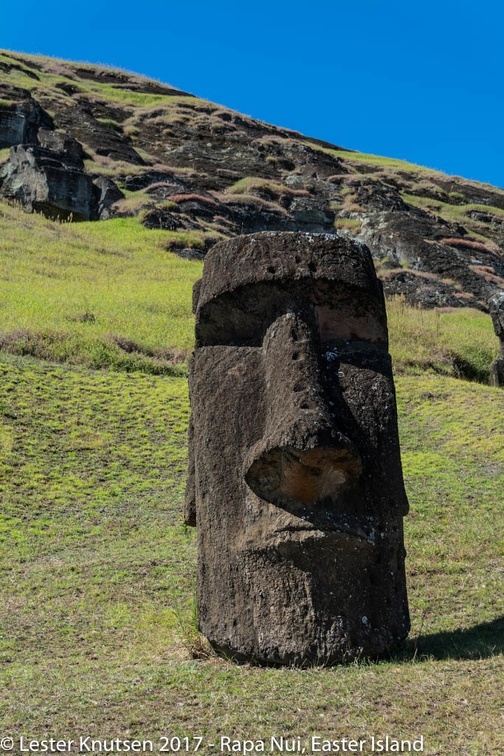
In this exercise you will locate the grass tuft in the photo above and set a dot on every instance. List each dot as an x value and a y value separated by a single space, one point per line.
453 342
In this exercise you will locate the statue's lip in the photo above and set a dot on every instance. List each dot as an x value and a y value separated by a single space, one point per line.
294 535
312 531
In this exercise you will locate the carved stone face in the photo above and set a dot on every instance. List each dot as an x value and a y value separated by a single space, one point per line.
295 474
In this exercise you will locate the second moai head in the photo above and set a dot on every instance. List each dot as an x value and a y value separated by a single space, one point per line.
496 308
295 480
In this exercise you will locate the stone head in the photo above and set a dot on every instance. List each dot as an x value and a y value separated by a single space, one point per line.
295 479
496 309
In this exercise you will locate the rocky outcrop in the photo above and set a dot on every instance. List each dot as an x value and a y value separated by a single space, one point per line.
21 117
45 169
108 194
236 214
38 179
425 289
189 164
88 124
49 178
405 239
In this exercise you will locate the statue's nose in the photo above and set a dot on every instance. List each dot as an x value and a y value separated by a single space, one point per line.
303 456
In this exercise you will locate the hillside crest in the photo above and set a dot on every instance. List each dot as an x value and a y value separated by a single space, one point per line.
83 142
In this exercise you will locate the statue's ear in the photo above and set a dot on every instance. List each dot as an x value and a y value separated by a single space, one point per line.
196 295
190 494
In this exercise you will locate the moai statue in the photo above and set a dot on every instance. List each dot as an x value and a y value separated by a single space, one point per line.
295 481
496 307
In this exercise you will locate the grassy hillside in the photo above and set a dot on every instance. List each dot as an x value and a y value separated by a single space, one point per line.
100 294
206 172
110 294
97 630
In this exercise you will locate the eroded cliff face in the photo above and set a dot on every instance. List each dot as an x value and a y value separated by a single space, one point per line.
83 142
45 167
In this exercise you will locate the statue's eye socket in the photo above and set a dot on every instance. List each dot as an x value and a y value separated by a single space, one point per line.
341 322
229 323
241 317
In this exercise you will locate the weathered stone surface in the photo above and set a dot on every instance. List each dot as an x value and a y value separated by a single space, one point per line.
425 289
37 178
162 219
109 193
414 239
138 182
21 120
295 478
496 307
64 148
52 182
241 215
302 214
45 170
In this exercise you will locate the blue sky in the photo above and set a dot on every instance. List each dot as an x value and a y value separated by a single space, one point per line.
421 81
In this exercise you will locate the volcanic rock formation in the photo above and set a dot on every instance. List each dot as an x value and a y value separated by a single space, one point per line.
45 170
188 165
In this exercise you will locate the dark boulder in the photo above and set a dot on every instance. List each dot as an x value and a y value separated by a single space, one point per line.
52 182
162 220
64 148
21 117
109 193
45 170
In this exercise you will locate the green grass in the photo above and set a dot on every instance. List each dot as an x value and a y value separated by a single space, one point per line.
72 293
96 624
457 213
56 71
353 225
459 342
110 295
377 161
4 154
450 211
251 184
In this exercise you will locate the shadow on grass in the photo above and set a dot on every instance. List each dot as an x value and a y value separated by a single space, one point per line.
478 642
